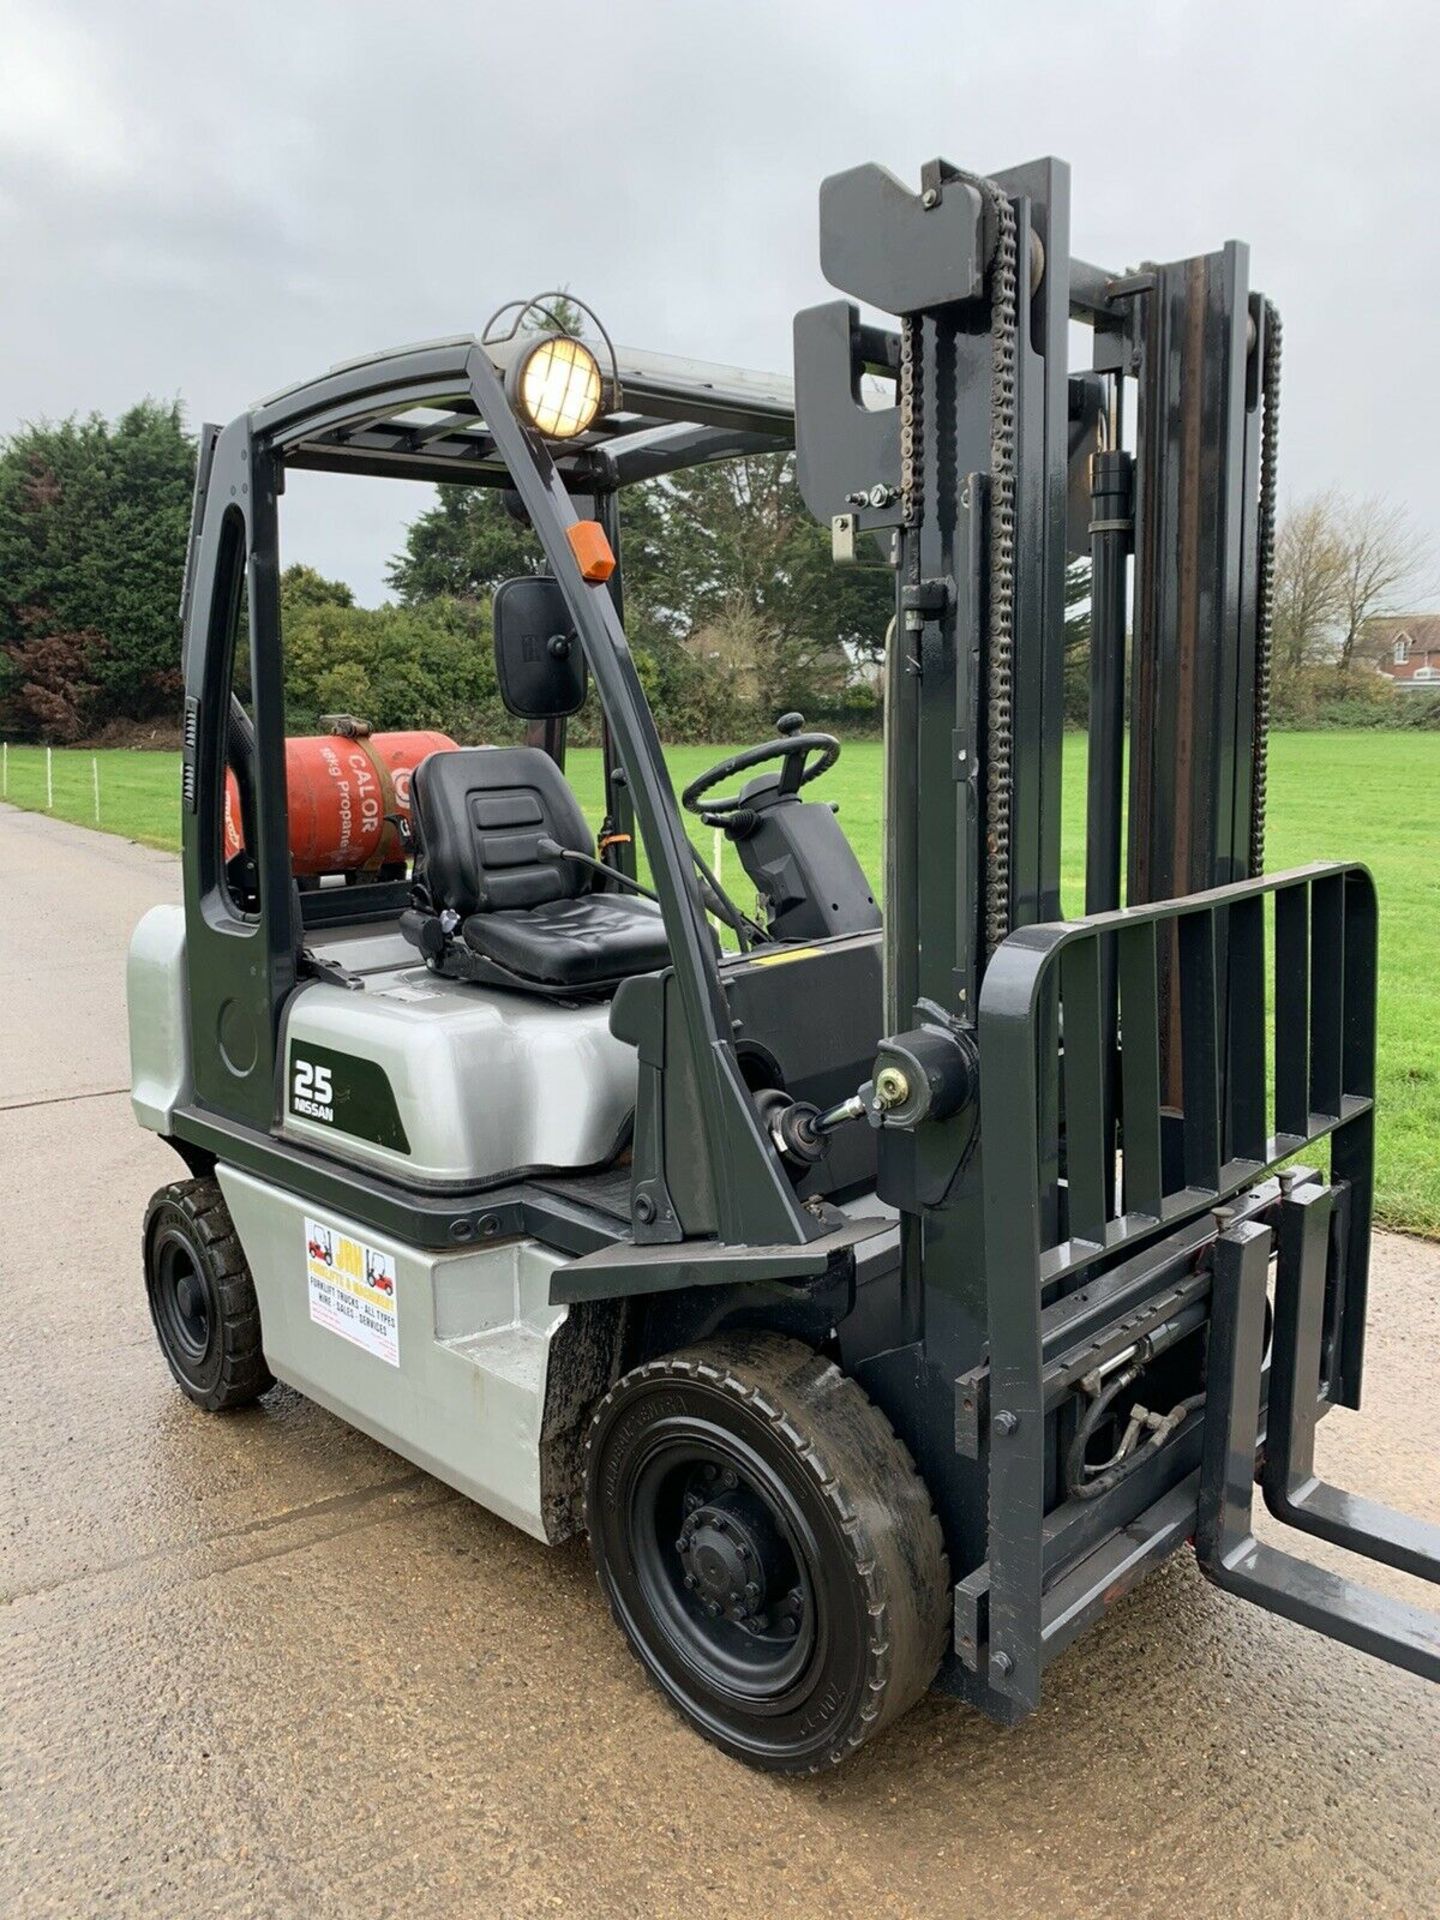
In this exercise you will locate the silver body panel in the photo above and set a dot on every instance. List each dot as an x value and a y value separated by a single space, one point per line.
486 1082
466 1400
159 1027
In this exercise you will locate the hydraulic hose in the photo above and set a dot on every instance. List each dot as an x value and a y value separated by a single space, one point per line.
1083 1486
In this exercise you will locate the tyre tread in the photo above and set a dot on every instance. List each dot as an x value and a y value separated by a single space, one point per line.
789 1386
243 1375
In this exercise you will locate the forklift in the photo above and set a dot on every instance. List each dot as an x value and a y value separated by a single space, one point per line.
883 1298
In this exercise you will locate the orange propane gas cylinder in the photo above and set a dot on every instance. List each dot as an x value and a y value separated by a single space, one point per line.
340 790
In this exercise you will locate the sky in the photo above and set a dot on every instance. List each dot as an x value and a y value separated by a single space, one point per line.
211 203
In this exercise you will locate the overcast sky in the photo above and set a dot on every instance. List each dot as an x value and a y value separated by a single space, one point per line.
212 202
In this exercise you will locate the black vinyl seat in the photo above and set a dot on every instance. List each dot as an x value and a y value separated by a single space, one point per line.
589 941
525 918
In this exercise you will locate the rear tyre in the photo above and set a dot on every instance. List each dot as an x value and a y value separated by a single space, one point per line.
768 1549
202 1299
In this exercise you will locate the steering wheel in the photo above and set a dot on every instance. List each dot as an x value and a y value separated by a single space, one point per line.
792 748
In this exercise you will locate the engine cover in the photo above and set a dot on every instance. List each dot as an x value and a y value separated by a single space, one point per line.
444 1083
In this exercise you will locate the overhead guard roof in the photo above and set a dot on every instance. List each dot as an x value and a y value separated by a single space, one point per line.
407 413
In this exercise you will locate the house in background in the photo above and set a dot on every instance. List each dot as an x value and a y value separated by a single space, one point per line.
1405 647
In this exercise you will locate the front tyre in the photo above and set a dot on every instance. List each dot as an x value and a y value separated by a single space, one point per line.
767 1547
202 1298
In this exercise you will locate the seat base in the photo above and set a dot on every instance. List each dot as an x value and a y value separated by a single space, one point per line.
574 943
569 963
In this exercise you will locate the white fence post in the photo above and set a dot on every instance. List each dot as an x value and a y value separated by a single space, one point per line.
49 779
719 860
95 772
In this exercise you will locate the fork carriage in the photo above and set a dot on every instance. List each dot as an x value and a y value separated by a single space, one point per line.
1174 1239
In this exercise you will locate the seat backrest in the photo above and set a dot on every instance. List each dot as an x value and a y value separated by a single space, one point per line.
481 813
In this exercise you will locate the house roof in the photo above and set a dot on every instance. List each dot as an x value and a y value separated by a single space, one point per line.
1421 629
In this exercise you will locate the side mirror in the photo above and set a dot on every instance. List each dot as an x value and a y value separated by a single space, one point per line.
538 659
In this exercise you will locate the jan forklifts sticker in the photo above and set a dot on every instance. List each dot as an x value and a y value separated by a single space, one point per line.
352 1290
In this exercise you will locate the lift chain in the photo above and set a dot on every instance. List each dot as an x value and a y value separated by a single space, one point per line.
1000 737
912 425
1000 221
1265 587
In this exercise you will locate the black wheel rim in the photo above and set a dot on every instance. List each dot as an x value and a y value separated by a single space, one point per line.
723 1558
182 1301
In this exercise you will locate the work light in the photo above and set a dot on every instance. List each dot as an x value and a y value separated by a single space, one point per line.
556 385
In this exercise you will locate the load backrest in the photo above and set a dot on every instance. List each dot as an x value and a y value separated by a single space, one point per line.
481 813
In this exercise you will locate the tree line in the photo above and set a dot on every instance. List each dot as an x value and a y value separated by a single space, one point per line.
733 609
93 521
1341 565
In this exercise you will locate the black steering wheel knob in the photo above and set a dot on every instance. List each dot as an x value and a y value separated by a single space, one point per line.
789 723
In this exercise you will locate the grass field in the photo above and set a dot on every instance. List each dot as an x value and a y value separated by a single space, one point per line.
1365 796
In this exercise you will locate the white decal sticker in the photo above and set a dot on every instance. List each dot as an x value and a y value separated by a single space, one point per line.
311 1091
352 1290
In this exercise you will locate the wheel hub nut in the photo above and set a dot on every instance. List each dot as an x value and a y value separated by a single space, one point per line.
719 1560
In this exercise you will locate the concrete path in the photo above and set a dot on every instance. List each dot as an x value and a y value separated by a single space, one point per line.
259 1666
